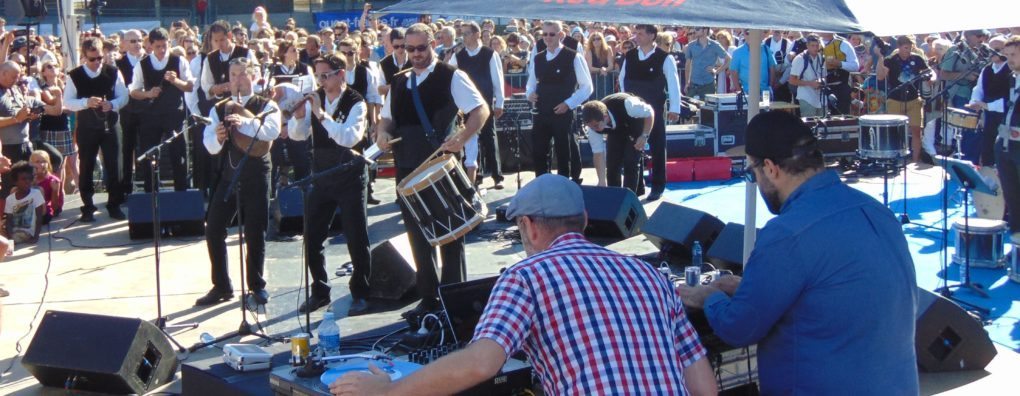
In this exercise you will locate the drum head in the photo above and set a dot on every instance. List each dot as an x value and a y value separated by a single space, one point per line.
963 112
883 119
427 174
980 226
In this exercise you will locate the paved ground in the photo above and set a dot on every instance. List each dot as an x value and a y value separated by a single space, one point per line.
95 268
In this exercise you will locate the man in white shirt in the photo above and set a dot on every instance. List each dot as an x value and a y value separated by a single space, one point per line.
990 94
618 127
840 62
160 81
808 74
130 115
485 69
558 82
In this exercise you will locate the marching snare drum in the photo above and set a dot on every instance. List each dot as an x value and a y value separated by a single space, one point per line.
983 238
883 136
437 194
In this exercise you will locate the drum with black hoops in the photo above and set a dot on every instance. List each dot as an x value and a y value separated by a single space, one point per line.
883 136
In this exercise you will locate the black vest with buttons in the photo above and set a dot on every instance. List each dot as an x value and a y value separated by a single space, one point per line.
556 79
171 98
327 152
995 85
477 67
624 123
102 86
127 71
645 78
437 100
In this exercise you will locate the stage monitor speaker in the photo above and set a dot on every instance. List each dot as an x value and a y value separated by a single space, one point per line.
181 212
393 271
727 251
107 354
613 212
948 338
15 10
292 213
674 228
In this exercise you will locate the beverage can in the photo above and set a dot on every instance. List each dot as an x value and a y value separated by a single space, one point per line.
299 348
692 275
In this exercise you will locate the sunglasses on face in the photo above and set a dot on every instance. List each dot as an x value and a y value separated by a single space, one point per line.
323 76
420 48
398 46
749 175
550 34
348 53
96 59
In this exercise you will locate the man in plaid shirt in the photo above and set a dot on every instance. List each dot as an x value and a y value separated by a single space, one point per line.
592 321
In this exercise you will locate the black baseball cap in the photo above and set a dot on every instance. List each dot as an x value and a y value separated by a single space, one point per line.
775 135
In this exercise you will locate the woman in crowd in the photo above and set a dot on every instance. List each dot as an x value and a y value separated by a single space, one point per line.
602 63
56 130
725 40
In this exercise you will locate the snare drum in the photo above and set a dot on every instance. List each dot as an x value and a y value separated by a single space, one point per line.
962 118
883 136
1014 270
441 200
984 240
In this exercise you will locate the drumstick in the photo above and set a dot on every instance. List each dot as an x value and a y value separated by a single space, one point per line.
397 140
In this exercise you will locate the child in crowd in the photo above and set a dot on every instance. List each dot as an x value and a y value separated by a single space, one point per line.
49 183
25 206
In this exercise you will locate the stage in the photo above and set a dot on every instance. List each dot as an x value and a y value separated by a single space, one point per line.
96 268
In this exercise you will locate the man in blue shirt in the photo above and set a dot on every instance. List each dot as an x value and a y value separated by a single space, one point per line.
829 292
740 67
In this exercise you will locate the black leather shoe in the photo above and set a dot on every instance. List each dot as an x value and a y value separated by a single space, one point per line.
116 213
654 196
313 304
372 201
87 217
359 306
498 185
260 297
213 297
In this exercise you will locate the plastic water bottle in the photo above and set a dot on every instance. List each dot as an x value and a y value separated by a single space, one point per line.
208 340
664 269
692 274
329 336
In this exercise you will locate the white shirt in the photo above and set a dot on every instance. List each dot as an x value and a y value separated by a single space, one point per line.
668 70
777 47
138 81
495 72
635 108
270 128
207 80
372 88
73 103
346 132
465 95
813 72
191 98
584 84
978 94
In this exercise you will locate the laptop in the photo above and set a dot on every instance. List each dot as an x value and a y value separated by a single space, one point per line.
464 303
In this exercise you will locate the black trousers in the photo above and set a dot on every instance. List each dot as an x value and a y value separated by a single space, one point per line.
90 142
347 191
488 150
454 264
254 214
988 135
842 92
154 129
130 126
620 154
203 171
657 149
555 128
14 152
293 153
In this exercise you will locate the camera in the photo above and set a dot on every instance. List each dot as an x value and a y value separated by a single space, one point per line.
38 110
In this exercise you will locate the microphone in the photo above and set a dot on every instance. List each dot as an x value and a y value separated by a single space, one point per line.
201 120
263 114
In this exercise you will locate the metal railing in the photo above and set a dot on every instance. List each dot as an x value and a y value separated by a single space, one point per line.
517 83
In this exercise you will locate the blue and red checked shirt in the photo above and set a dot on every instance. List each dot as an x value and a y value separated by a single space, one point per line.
592 322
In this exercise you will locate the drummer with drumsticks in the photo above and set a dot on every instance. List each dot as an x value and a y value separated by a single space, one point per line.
335 118
903 71
245 117
421 110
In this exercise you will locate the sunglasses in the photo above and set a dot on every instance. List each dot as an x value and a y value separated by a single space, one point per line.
96 59
398 46
550 34
323 76
420 48
348 53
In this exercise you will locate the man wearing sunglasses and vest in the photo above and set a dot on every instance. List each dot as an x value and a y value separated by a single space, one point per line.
337 124
421 109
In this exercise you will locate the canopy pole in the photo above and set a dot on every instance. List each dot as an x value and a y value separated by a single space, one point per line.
753 100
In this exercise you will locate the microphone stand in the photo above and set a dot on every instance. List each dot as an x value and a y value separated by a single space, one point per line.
905 216
153 155
234 188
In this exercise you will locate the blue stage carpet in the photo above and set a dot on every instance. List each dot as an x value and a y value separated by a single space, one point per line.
725 200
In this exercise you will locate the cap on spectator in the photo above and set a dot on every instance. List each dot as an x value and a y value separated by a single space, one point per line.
775 134
19 43
934 36
576 30
548 195
611 39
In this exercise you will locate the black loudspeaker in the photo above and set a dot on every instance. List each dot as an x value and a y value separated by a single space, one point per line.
393 271
182 212
727 251
674 228
292 213
99 353
613 212
18 9
948 338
